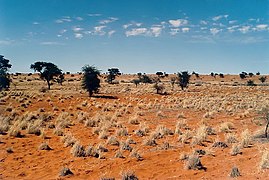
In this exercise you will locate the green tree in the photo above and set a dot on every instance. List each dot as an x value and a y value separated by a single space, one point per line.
4 76
112 73
183 79
48 71
90 80
263 79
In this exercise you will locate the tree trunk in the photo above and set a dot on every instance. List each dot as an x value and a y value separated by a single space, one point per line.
266 129
48 82
90 93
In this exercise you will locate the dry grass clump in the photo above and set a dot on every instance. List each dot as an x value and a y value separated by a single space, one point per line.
201 135
183 156
34 128
129 175
219 144
226 127
230 138
130 141
103 134
112 140
264 164
118 154
101 148
236 149
125 146
150 141
91 123
160 114
246 139
14 131
69 140
122 132
194 162
134 120
64 120
182 124
78 150
58 131
9 150
135 154
235 172
91 151
181 116
4 125
65 172
44 146
184 137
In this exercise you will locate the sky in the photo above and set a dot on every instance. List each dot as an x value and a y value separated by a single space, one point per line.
223 36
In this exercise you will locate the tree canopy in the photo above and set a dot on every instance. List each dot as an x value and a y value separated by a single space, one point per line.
47 71
4 76
90 80
183 79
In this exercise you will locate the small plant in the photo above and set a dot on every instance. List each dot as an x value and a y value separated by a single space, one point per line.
129 175
44 146
159 88
230 138
251 83
264 164
236 149
226 127
118 154
112 140
9 150
78 150
246 139
235 172
91 151
220 144
193 162
150 142
136 155
122 132
262 79
65 172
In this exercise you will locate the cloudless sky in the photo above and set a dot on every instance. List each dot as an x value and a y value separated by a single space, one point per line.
225 36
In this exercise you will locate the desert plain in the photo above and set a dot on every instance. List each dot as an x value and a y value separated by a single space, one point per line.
207 131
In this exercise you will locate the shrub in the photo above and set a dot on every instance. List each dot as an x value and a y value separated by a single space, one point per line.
251 83
118 154
262 79
112 140
78 150
129 175
235 172
235 150
193 162
44 146
246 139
264 164
65 172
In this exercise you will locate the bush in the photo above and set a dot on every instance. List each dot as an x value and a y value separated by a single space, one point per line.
251 83
65 172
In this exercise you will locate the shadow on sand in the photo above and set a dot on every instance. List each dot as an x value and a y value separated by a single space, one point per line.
105 97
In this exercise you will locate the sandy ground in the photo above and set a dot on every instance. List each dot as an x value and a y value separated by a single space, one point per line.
208 102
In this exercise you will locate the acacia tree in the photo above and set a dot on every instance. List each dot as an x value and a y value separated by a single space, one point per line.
4 76
90 80
48 71
183 79
112 73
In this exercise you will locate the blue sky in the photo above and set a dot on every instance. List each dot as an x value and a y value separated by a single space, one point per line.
225 36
